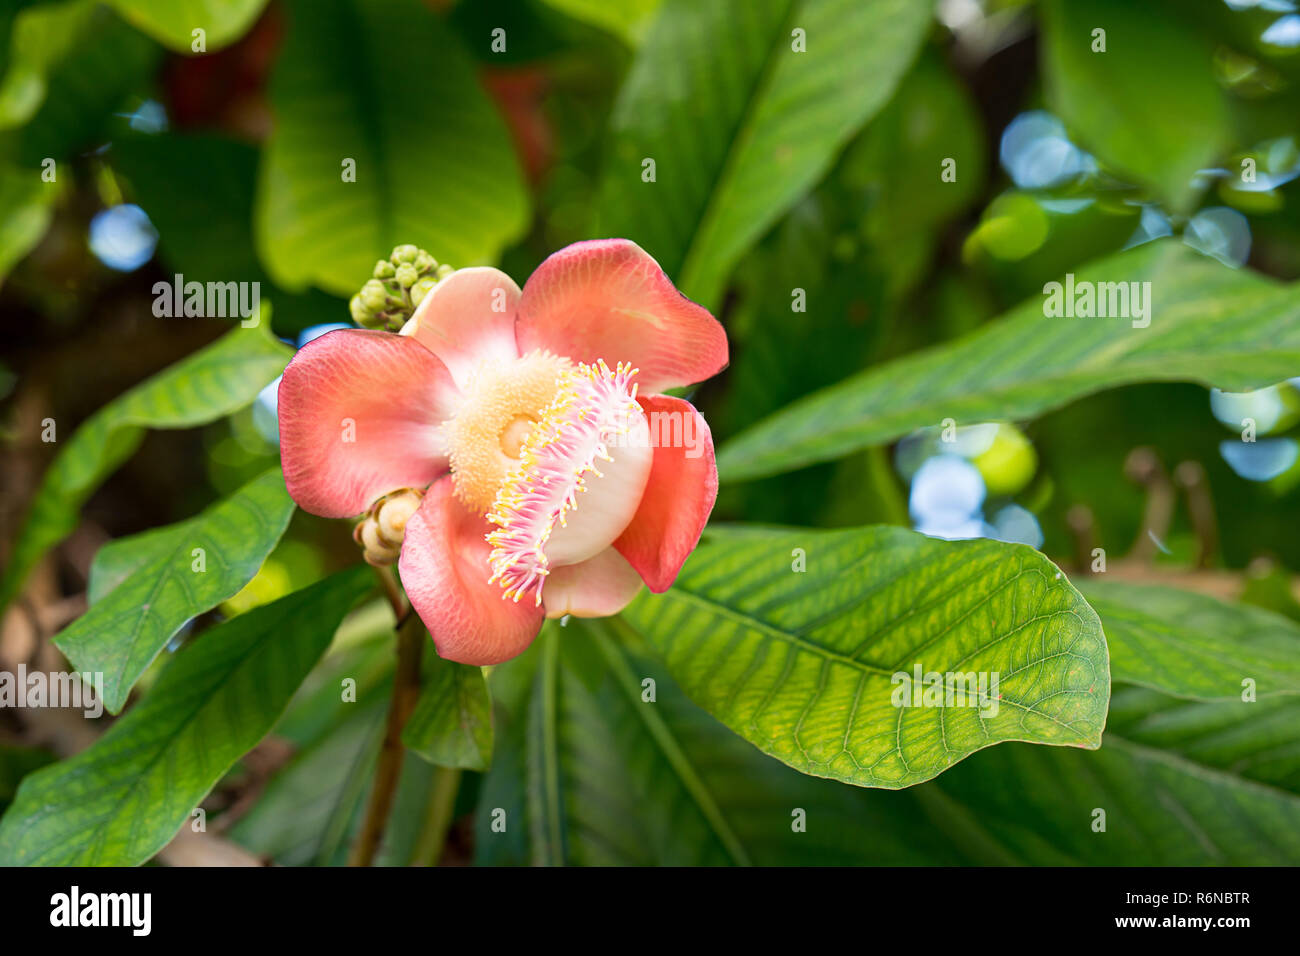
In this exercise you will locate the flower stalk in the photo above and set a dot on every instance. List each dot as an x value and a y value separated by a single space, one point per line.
411 638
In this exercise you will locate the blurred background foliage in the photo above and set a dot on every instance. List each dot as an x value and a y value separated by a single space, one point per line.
226 164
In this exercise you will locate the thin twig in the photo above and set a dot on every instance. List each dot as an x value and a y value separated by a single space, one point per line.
411 638
393 592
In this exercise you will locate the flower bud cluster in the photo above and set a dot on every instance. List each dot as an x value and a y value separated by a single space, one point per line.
396 288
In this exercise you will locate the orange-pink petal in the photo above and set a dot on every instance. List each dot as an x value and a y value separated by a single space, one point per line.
444 568
598 587
679 494
359 417
608 299
468 317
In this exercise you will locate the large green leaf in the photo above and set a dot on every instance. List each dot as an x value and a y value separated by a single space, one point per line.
739 123
804 664
122 800
173 22
1191 645
590 769
1209 324
577 765
451 725
386 84
1149 105
209 384
171 577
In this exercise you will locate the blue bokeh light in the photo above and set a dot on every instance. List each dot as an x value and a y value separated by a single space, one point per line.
266 412
1284 32
1260 460
1017 524
122 237
946 498
1037 154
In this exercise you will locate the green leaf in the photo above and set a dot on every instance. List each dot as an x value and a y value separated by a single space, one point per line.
122 800
805 664
172 22
1149 105
211 383
1257 740
1209 324
309 807
597 766
15 764
451 725
1038 806
739 124
627 19
38 39
170 578
336 725
1191 645
1181 781
385 84
27 201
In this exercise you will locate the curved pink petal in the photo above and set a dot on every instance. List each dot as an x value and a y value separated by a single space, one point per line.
359 417
469 316
608 299
598 587
444 568
678 496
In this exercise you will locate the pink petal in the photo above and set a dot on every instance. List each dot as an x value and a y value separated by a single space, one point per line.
606 298
679 495
444 568
598 587
359 416
469 316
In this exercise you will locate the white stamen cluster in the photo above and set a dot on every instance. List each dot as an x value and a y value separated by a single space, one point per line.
592 409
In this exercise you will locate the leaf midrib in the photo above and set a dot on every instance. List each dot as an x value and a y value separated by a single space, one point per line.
757 88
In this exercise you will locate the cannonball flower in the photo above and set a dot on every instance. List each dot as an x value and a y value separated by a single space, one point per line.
511 448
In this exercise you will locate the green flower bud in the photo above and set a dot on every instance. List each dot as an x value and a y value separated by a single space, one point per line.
374 296
421 289
384 269
406 275
445 270
405 253
360 314
425 263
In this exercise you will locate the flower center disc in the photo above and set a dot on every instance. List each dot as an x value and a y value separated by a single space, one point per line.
502 401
